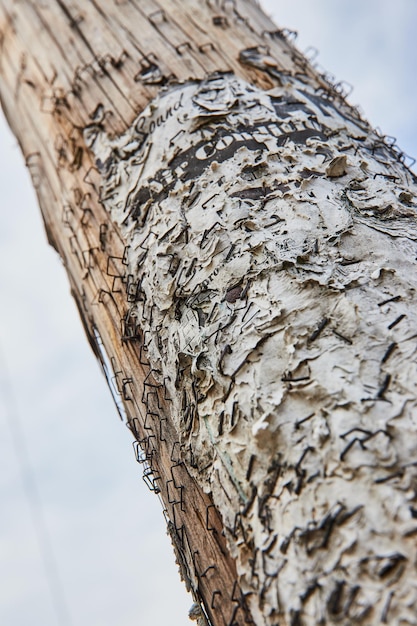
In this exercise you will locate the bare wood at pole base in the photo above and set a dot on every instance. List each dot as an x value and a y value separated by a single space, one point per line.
241 246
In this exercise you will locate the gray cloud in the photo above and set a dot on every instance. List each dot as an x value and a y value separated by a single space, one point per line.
107 531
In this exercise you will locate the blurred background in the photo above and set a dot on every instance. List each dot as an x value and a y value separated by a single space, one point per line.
82 540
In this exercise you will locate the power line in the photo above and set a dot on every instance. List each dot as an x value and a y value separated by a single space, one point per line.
27 476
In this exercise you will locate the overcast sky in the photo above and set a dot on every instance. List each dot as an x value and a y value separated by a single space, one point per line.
75 458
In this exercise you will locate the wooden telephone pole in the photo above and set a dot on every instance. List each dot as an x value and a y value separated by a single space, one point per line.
241 247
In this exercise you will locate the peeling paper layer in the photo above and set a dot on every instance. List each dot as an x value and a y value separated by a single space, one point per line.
272 246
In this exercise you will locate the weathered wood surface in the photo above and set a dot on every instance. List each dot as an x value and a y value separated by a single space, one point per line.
109 60
273 391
